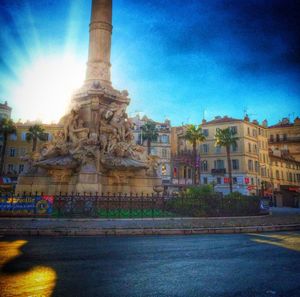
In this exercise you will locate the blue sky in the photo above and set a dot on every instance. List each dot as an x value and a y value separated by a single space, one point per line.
178 59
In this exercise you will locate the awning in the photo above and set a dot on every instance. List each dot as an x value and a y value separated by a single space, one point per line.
5 181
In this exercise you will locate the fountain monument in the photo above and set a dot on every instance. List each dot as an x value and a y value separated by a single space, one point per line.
95 152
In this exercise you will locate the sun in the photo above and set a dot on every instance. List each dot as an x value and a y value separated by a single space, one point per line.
45 87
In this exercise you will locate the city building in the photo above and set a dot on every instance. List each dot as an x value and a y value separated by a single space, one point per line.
250 159
17 147
285 178
5 111
285 136
160 148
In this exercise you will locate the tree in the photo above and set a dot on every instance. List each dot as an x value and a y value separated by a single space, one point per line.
226 138
7 127
149 133
35 133
194 135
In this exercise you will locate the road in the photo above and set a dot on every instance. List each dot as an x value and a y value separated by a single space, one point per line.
204 265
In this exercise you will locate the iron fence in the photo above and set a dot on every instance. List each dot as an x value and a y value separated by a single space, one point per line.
127 206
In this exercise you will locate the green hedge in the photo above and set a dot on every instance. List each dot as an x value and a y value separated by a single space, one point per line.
196 205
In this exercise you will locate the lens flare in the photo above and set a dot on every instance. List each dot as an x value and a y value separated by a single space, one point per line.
46 86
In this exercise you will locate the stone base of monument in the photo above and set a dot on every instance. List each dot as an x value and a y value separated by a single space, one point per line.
124 182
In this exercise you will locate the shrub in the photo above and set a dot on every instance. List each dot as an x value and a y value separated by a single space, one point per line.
235 195
194 203
198 191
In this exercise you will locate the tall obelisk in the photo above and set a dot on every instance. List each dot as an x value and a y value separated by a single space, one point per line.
98 65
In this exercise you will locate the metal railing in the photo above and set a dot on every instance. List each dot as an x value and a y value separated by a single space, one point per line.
127 206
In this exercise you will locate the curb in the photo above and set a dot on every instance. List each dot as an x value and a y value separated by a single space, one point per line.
129 219
144 231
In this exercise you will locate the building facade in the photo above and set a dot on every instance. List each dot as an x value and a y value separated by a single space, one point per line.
285 179
250 160
5 111
17 147
285 136
160 148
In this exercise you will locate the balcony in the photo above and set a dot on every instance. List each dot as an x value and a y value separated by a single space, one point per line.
284 140
220 171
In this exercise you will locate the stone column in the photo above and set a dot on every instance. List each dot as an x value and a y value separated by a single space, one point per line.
98 65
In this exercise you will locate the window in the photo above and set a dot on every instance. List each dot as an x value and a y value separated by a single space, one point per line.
235 164
153 151
205 148
277 137
23 136
219 164
13 137
249 147
248 131
204 165
250 165
10 168
218 149
254 133
12 152
233 129
234 180
284 137
219 180
255 148
164 138
271 138
45 136
234 148
252 181
189 173
21 168
256 166
205 132
184 171
205 180
164 153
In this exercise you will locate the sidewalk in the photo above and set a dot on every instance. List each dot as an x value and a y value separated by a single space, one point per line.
276 221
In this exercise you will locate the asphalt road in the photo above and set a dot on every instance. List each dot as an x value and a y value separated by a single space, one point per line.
205 265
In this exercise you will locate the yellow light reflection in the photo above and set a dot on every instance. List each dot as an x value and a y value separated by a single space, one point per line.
38 281
289 240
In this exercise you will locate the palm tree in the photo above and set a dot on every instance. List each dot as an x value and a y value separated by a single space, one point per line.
7 127
35 133
194 135
226 137
149 133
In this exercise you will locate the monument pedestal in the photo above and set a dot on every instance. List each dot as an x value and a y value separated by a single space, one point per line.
89 183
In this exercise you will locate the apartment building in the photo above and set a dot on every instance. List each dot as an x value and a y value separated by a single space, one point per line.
250 159
17 147
5 111
160 148
285 136
285 179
